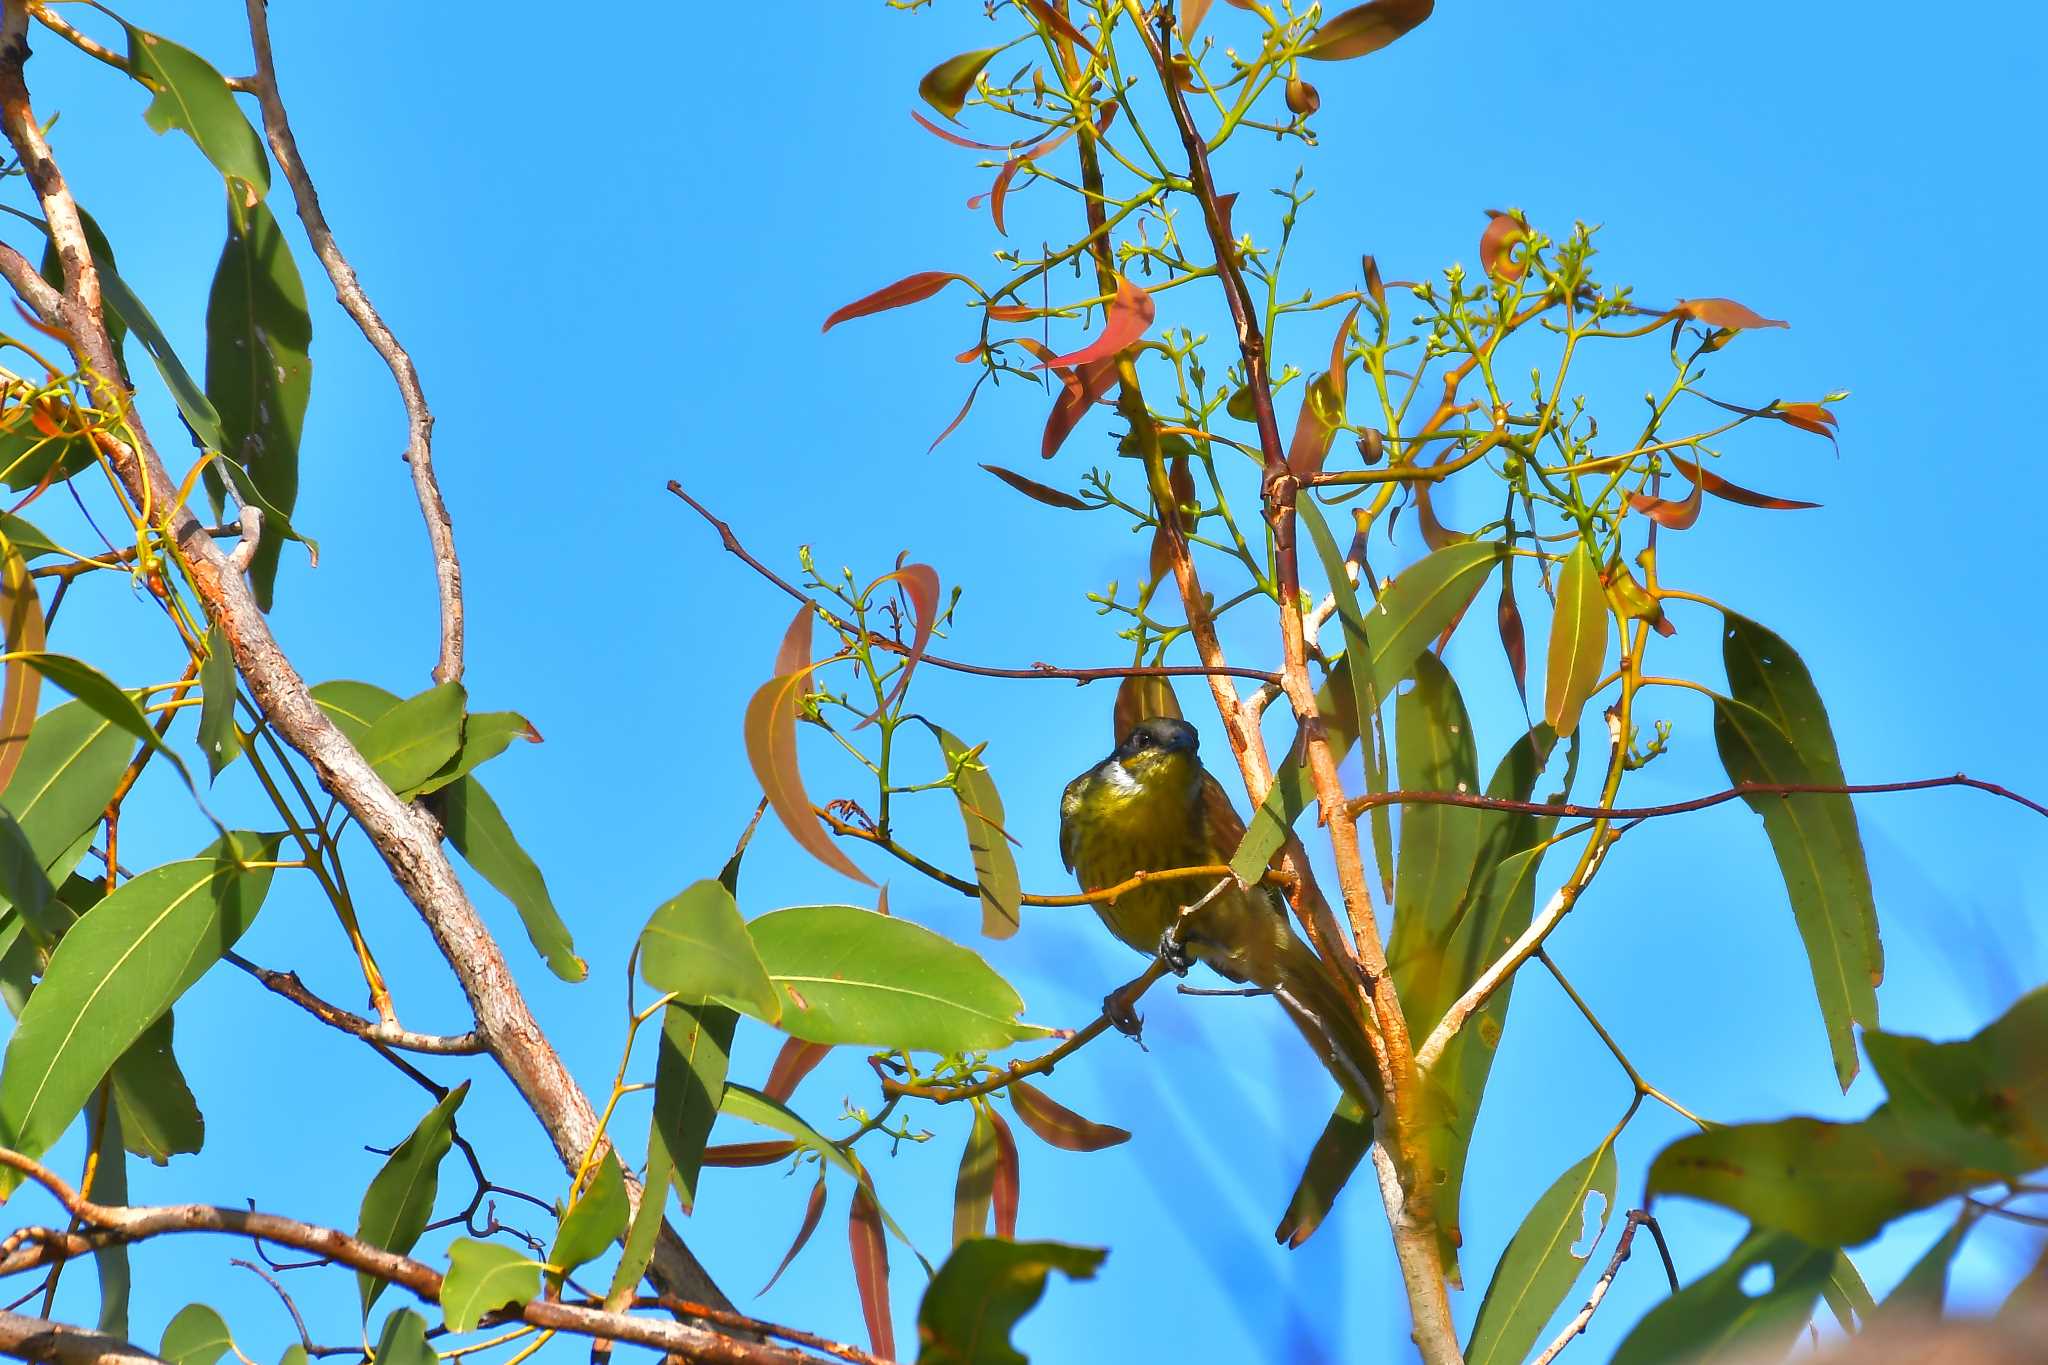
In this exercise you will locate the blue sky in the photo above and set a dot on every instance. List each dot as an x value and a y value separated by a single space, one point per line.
608 245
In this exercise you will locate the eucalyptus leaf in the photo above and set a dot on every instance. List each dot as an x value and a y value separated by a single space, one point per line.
1543 1260
689 1086
196 1336
194 98
480 833
482 1277
408 743
696 946
595 1220
399 1203
1713 1318
985 1286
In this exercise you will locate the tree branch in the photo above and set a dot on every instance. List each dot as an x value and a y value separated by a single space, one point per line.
27 1338
288 985
1636 1218
1474 801
348 292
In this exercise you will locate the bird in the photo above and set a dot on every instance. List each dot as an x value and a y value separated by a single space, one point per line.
1151 806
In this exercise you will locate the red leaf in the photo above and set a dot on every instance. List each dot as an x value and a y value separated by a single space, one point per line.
1372 282
1226 205
910 289
1677 516
1058 23
959 141
1084 386
974 1187
1015 312
1302 98
1497 246
871 1270
796 1061
1512 640
748 1153
1130 313
770 732
1192 13
1434 533
1060 1126
1037 492
1366 28
946 86
1322 407
1724 313
921 585
961 415
1007 1178
1807 417
1721 488
812 1210
999 191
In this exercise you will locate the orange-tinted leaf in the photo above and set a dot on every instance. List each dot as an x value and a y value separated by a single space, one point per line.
921 585
1130 313
1014 312
1159 563
1434 533
974 1187
21 615
946 86
1180 481
1807 417
1513 641
796 1060
1373 286
1060 1126
1140 698
871 1270
748 1153
1634 600
1497 246
1084 386
1302 98
1676 516
959 141
1058 23
1578 641
1192 13
1000 191
1724 313
1322 407
1037 492
770 732
910 289
1366 28
1006 1190
965 407
814 1209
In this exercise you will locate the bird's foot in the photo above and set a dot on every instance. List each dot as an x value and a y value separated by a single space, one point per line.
1173 951
1120 1008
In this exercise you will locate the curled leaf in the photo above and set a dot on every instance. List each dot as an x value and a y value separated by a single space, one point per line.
1504 232
920 584
1302 98
1366 28
814 1208
946 86
1806 416
910 289
1084 386
1130 313
1724 313
770 732
1675 515
959 141
1060 1126
871 1270
796 1060
1434 533
973 353
1704 479
1036 491
1373 286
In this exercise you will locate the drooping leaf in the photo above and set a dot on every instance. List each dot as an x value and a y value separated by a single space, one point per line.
595 1220
102 259
1714 1318
908 290
1578 641
689 1087
43 439
769 729
814 1209
1992 1082
1774 729
1129 314
974 1187
1140 697
117 970
403 1341
409 743
1060 1126
1365 700
1009 1181
158 1116
68 772
870 1252
1513 639
196 1336
110 1187
1543 1261
1036 491
920 583
1848 1298
483 1276
1083 386
1682 514
696 945
1366 28
1923 1292
258 374
988 843
97 691
399 1202
194 98
946 86
848 975
219 740
985 1286
1724 313
21 618
1056 22
478 829
795 1060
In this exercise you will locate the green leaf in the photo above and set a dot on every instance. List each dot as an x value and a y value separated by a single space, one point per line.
69 769
399 1203
594 1220
1427 597
1540 1264
482 1277
981 810
1365 701
158 1116
696 945
116 972
485 735
26 538
648 1222
408 743
196 1336
985 1286
258 375
404 1340
946 86
689 1086
1923 1291
1848 1298
219 740
295 1354
849 975
974 1186
110 1260
745 1102
477 828
353 706
1578 641
193 97
1713 1318
98 691
1992 1083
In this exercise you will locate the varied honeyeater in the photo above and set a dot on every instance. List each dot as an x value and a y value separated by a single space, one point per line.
1151 806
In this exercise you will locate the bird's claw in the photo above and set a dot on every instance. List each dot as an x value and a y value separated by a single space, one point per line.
1120 1009
1173 952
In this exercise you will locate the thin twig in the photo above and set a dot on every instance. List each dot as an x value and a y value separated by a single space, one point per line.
1636 1218
288 985
1570 811
298 1321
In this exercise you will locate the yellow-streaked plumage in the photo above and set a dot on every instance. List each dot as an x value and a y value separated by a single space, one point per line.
1151 806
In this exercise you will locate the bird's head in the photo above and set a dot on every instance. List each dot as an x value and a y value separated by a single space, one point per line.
1160 747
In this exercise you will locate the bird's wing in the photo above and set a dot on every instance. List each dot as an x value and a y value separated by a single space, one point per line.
1070 809
1220 818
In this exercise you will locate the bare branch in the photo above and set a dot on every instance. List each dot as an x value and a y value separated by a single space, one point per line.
27 1338
1474 801
348 291
288 985
1636 1219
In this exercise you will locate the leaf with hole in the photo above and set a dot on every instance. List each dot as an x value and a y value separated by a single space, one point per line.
1714 1317
1543 1260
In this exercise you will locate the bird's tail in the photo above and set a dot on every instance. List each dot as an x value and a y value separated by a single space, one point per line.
1328 1018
